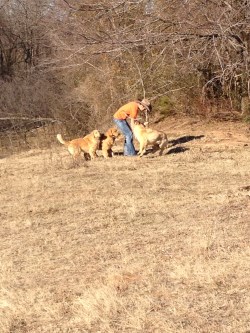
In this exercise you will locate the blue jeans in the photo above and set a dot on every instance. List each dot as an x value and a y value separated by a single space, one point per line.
129 149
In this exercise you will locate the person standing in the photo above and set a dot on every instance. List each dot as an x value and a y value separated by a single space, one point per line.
130 111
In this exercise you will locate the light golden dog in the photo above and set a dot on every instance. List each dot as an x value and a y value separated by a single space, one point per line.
88 145
148 136
107 141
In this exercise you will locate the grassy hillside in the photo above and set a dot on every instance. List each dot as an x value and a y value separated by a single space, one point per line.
152 244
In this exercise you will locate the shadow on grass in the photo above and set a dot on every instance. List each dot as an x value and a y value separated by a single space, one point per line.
151 154
185 139
177 150
118 153
5 155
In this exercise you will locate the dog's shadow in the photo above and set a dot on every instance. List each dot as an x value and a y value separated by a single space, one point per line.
172 144
177 150
184 139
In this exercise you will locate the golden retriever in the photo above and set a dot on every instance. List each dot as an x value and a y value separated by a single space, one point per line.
148 136
88 145
107 141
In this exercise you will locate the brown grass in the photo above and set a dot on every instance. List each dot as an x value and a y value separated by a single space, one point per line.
157 244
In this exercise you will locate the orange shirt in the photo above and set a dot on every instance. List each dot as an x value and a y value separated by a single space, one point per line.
128 110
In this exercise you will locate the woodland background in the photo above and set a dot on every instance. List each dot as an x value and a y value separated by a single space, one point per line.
75 62
145 245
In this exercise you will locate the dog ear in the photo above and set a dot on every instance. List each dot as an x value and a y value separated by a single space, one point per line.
110 132
96 134
117 133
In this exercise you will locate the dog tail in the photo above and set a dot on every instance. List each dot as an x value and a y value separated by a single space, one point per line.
60 139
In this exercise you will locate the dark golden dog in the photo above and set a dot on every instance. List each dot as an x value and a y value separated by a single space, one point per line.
88 145
107 141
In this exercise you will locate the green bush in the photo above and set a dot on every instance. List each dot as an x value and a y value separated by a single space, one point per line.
165 106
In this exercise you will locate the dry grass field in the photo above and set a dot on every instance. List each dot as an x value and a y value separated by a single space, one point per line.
152 244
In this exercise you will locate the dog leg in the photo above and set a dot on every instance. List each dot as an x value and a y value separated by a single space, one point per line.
140 150
143 145
107 153
75 152
110 153
76 158
155 148
163 145
86 156
92 154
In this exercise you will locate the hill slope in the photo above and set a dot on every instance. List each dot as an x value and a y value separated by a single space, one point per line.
157 244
